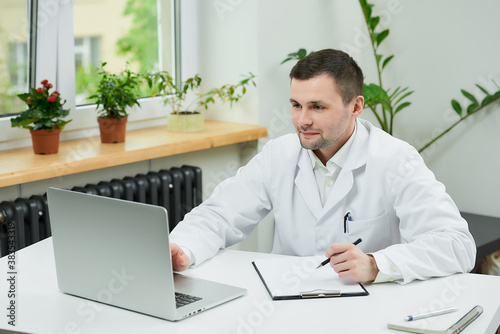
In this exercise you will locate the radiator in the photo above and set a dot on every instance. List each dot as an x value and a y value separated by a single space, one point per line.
177 189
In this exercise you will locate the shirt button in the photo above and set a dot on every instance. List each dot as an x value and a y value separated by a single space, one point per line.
394 269
391 279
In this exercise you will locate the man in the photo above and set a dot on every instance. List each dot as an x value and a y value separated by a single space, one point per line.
338 179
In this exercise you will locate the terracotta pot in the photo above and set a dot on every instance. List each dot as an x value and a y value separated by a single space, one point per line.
112 129
45 141
185 122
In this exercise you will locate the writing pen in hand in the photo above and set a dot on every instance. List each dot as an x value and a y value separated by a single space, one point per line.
328 260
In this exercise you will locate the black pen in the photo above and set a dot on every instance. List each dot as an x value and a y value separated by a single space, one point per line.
328 260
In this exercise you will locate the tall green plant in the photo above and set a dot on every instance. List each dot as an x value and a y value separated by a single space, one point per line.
385 103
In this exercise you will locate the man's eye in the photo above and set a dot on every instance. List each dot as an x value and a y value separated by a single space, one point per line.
318 108
295 105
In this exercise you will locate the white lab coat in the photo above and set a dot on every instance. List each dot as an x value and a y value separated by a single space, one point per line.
397 207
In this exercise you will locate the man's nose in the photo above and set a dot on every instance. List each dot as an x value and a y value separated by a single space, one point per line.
305 118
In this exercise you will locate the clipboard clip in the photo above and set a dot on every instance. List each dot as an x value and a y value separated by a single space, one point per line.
320 293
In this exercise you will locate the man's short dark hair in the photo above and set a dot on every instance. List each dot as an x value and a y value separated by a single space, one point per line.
346 73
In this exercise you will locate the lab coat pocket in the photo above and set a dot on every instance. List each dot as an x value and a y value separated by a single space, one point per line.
375 232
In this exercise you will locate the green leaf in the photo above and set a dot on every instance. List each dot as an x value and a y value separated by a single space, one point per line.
381 36
375 94
301 53
482 89
397 92
386 61
404 96
471 108
487 100
401 107
367 9
456 106
469 96
374 22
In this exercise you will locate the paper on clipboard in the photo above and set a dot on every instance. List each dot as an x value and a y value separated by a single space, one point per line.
298 278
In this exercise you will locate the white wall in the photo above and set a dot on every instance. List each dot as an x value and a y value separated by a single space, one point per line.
442 47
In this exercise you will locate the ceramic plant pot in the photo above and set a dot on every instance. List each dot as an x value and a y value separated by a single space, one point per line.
112 129
185 122
45 141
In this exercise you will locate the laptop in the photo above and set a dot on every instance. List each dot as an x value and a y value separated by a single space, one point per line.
117 252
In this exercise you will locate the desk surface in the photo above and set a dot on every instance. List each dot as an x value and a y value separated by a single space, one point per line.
42 308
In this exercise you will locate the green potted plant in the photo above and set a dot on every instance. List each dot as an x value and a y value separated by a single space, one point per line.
44 118
115 94
186 101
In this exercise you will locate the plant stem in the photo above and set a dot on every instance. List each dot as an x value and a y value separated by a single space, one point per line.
379 72
455 124
377 116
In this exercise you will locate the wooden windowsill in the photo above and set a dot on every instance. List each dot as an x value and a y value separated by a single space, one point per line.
22 165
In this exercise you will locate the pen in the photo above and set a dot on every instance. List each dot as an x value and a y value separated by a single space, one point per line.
347 218
328 260
430 314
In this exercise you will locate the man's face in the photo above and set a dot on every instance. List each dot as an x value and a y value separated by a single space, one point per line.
319 116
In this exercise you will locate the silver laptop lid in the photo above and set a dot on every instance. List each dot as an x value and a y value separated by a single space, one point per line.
132 271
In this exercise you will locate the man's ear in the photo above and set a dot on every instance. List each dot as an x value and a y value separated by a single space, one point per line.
358 104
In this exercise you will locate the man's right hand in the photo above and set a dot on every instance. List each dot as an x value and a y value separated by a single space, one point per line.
180 261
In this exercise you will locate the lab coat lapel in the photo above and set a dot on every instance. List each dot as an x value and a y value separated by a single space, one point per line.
306 183
345 180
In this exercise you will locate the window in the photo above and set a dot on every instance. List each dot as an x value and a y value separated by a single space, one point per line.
73 38
13 55
122 33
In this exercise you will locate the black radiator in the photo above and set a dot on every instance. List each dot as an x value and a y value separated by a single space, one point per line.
177 189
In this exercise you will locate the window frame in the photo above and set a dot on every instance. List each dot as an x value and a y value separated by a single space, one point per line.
59 13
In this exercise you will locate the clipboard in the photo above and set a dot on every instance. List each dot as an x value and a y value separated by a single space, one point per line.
297 278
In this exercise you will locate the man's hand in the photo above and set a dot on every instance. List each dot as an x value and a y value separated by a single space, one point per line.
350 262
180 261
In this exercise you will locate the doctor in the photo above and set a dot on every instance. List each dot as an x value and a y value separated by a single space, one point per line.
337 179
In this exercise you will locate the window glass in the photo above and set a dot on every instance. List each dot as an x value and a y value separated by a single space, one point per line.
13 55
122 33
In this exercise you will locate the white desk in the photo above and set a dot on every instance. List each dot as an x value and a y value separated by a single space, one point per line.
42 308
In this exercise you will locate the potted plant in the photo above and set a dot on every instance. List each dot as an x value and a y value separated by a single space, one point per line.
43 118
186 116
115 93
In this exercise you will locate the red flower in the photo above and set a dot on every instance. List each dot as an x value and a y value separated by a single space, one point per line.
56 92
44 82
40 90
52 98
28 100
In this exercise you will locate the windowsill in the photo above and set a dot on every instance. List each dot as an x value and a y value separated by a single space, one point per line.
80 155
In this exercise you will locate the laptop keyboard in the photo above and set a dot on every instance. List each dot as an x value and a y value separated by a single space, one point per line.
182 299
